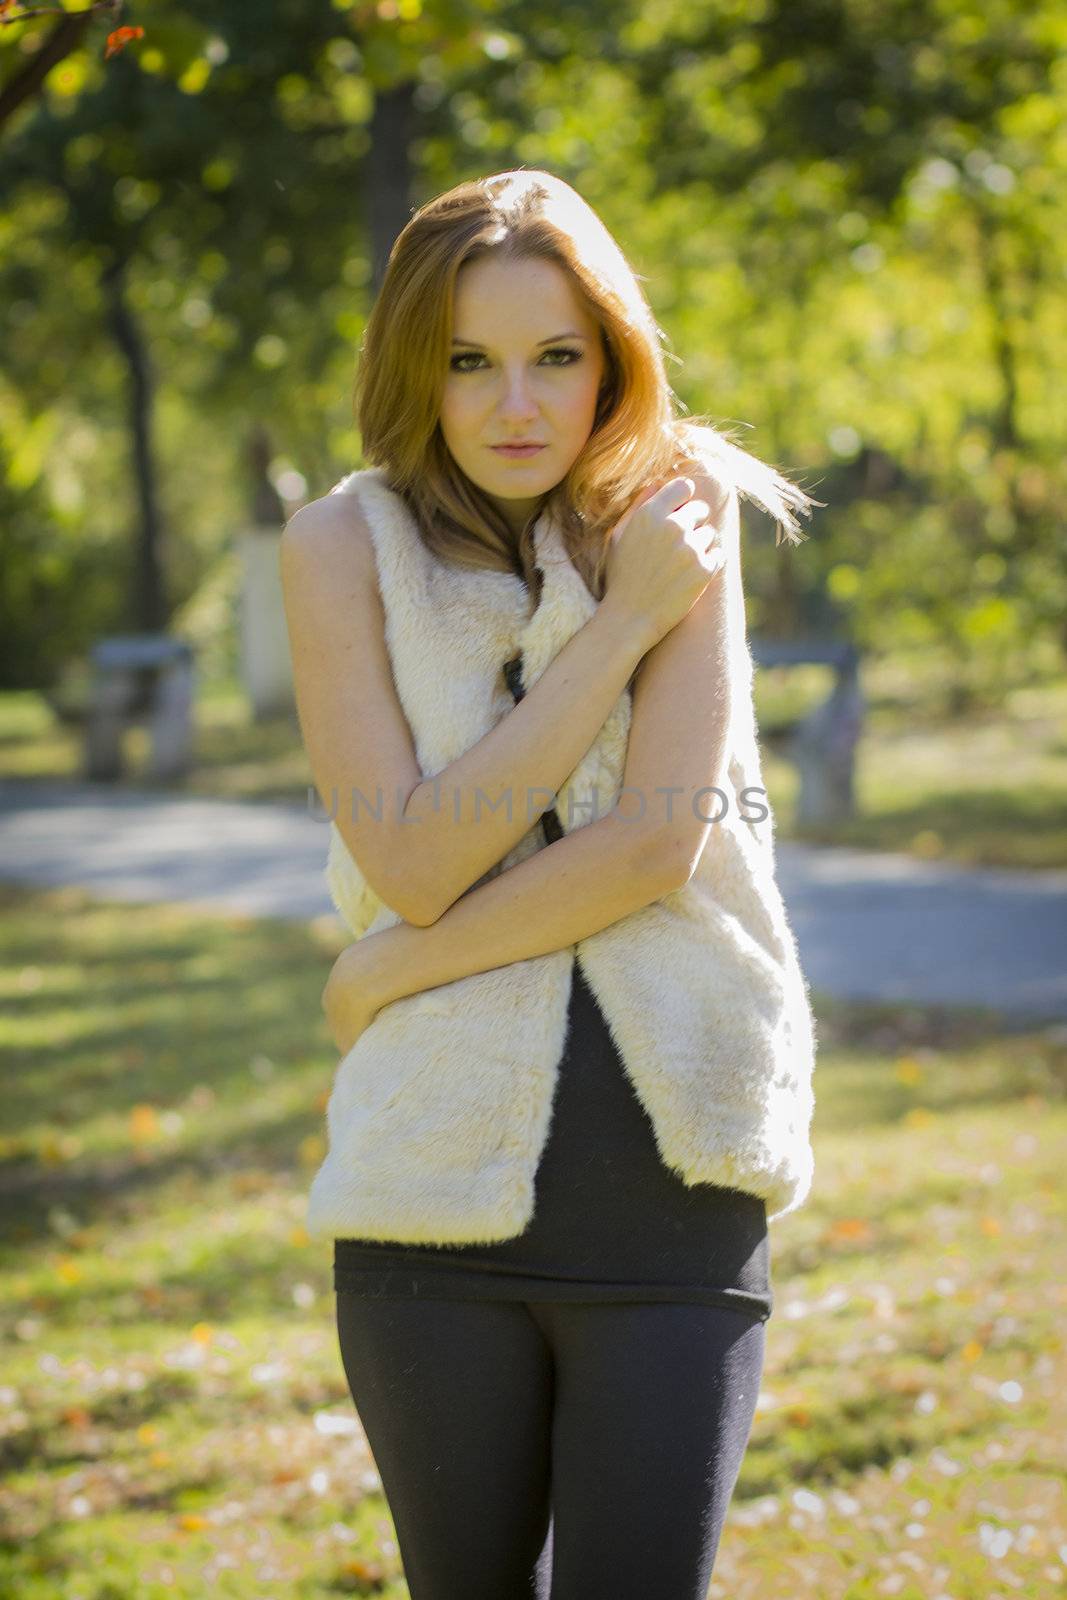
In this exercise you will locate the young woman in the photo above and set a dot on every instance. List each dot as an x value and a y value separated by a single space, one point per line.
576 1044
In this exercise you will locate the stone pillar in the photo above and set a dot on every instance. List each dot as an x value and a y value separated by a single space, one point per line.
266 668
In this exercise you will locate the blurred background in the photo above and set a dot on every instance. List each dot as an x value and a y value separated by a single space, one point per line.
848 216
848 219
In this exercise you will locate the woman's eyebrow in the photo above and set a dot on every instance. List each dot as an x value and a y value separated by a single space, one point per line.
556 336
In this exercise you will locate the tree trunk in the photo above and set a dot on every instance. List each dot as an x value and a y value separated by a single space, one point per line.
388 172
147 601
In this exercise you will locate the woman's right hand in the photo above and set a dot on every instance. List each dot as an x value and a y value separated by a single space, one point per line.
664 552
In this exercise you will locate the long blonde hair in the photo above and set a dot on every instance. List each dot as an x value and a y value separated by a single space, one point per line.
637 437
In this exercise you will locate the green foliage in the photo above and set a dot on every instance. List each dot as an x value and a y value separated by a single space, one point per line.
849 222
56 594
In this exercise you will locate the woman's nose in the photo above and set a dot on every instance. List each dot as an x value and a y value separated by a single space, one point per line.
518 398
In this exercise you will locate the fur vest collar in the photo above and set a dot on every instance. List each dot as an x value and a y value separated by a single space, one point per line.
439 1112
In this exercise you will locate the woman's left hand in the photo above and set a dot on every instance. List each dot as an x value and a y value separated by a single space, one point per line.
355 991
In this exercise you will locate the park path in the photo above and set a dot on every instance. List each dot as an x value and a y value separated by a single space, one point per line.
870 925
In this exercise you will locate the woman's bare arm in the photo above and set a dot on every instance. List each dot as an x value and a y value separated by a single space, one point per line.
582 883
471 814
435 838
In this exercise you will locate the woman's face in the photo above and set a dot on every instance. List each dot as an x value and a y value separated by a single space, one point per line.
526 364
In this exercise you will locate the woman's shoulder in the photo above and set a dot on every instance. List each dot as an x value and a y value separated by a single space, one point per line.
347 510
334 531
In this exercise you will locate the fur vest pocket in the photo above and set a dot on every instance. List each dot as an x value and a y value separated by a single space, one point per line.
438 1114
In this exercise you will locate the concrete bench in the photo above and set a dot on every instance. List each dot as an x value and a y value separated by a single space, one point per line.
821 744
139 678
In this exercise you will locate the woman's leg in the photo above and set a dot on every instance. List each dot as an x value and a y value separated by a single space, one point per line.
653 1408
455 1398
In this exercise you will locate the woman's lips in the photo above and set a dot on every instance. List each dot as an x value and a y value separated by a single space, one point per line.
518 451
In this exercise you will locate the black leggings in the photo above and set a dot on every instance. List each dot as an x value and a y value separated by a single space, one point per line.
576 1450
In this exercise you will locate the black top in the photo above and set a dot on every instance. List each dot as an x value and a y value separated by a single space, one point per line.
611 1220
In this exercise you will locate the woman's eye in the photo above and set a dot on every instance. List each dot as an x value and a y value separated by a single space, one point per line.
556 350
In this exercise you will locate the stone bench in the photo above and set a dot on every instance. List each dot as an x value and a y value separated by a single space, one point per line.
139 678
821 744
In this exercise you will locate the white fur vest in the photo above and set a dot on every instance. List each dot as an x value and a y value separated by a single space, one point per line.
439 1112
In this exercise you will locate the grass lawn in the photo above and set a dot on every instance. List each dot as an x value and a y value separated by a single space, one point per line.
987 789
176 1420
